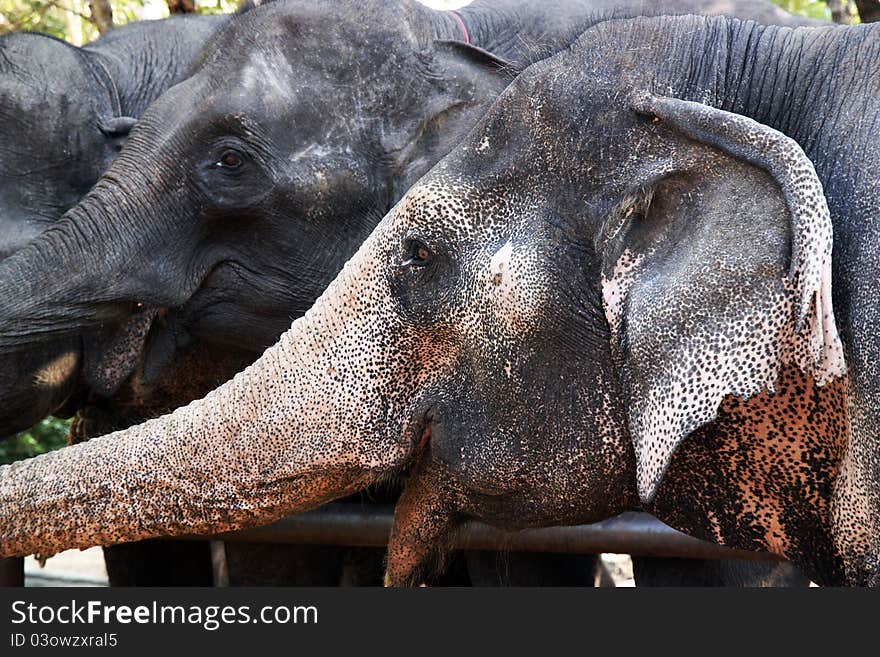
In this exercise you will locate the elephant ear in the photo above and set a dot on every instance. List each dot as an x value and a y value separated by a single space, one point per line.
466 54
717 275
459 83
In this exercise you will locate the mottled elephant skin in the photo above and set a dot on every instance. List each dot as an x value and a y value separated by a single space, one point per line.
261 239
500 333
139 287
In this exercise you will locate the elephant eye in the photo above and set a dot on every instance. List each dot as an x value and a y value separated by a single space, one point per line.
419 255
230 159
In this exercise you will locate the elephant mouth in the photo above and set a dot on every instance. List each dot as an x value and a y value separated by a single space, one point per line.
424 436
145 344
111 356
421 429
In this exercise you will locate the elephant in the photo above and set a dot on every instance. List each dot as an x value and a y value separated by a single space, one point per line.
68 107
358 164
614 293
66 112
229 280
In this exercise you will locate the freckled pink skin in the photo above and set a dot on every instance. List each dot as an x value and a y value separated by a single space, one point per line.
249 452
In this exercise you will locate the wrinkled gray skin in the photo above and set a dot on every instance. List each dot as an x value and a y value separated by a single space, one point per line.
64 114
505 329
224 300
354 151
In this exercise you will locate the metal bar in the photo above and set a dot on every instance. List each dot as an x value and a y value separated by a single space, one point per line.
629 533
12 571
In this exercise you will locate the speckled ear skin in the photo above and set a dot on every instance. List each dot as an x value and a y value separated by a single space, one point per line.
762 475
722 277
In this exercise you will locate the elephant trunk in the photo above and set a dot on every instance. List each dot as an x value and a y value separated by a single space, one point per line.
289 433
89 287
46 288
204 468
100 264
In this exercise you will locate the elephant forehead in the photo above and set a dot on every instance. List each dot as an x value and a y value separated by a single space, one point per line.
270 76
454 209
507 274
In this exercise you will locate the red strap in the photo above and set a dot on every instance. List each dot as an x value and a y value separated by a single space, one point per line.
467 37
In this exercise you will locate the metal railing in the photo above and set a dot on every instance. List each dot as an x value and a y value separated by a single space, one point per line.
629 533
358 526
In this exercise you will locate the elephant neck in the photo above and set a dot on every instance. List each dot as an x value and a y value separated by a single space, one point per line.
779 76
791 80
449 25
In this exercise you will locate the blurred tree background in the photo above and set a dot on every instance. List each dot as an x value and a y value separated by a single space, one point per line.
810 8
49 434
79 21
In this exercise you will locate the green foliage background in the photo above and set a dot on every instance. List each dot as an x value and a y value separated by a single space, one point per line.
45 436
68 19
809 8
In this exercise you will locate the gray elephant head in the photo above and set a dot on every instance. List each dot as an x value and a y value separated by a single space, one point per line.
43 123
55 140
531 333
244 210
66 112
